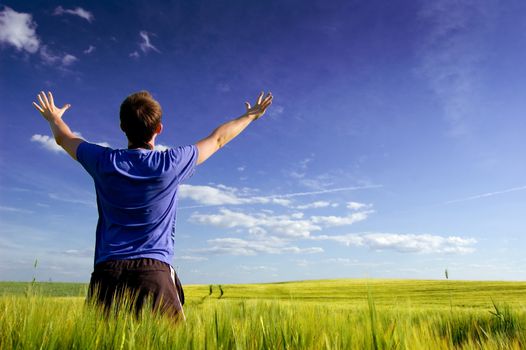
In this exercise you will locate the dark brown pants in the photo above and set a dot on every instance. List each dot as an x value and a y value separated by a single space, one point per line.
133 282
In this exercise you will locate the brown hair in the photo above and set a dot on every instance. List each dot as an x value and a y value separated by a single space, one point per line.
140 116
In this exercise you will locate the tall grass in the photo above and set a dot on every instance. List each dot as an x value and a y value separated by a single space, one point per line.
34 321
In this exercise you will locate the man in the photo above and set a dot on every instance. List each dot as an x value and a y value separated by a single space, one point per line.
137 199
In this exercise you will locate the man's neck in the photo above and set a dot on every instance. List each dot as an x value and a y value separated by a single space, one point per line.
147 145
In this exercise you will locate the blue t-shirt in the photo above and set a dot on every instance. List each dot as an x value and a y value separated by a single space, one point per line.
136 199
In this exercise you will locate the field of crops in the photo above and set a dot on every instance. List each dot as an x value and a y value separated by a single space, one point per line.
331 314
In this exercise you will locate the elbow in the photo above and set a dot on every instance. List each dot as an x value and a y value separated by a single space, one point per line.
59 140
221 141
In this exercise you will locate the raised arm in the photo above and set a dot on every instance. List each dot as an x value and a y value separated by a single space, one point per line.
226 132
61 131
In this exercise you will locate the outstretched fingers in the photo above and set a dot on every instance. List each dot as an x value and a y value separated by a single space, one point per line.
267 101
260 98
42 103
38 107
52 103
44 97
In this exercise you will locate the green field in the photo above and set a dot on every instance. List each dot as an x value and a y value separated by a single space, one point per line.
328 314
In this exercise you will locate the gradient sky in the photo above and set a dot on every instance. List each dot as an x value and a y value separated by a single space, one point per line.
394 147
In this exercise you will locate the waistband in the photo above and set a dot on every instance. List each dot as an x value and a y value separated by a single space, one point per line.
140 264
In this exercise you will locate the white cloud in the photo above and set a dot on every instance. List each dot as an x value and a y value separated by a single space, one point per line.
190 258
256 268
103 144
160 147
270 245
208 195
68 59
77 11
82 253
357 206
317 204
329 221
223 195
134 54
146 45
89 50
47 142
405 243
284 225
18 29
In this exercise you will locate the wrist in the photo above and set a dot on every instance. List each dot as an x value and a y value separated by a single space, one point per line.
250 116
53 119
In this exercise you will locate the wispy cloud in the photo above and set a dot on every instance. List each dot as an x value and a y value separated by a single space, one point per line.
77 11
487 194
51 58
331 190
73 199
89 50
214 196
256 268
17 29
276 111
450 55
146 44
405 243
15 210
223 87
190 258
81 253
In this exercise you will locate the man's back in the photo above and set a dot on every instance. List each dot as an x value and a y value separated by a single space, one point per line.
136 197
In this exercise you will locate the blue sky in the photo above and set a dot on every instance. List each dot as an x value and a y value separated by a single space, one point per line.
393 149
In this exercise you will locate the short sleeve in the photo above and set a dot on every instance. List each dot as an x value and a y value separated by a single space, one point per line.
88 155
185 161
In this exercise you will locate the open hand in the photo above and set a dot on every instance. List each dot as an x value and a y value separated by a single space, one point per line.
47 106
260 107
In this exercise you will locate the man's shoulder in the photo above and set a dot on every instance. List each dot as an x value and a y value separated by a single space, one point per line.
90 152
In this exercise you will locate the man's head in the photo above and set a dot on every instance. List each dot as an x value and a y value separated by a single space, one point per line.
140 117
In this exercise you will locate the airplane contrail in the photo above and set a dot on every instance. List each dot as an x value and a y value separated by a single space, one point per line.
488 194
